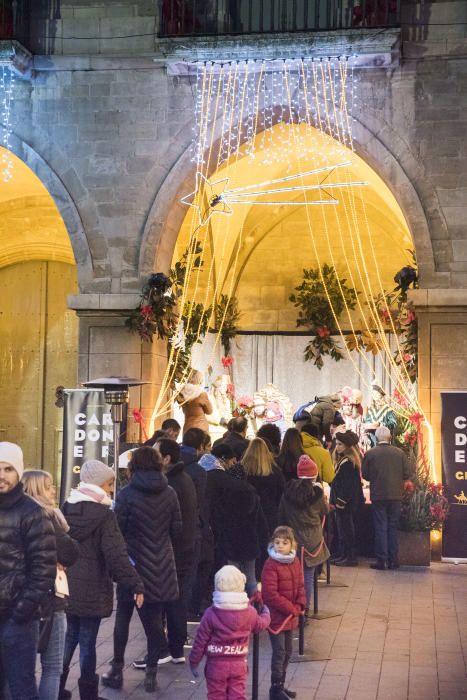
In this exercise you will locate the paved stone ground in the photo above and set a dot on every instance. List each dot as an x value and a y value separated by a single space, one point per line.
397 635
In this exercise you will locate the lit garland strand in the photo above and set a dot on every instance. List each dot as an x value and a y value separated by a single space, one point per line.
7 83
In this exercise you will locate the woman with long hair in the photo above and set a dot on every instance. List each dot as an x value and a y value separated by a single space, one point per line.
39 485
290 452
266 478
346 495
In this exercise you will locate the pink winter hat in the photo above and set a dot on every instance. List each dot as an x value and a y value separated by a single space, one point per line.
306 468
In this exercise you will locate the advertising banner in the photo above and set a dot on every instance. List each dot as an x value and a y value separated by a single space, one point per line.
454 464
87 433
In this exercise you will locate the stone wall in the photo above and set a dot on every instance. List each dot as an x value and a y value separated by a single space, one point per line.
113 128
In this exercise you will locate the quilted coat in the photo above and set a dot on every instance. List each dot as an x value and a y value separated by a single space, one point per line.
283 591
27 555
148 513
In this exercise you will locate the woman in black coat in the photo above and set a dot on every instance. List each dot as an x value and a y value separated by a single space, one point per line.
267 480
346 495
148 513
103 558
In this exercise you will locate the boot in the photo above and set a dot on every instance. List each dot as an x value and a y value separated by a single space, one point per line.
114 677
150 679
89 689
277 692
63 693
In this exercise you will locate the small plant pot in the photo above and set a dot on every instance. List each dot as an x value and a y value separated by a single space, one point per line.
414 548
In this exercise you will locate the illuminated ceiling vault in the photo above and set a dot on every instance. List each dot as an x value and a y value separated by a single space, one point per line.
31 227
259 252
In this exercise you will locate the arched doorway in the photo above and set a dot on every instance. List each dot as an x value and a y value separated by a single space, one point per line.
260 250
38 333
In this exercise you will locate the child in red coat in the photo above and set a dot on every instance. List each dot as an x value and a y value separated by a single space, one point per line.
283 592
223 636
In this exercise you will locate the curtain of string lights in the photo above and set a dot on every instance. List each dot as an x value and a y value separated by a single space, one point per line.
7 82
239 107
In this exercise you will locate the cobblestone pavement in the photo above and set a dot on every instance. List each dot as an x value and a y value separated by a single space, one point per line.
395 635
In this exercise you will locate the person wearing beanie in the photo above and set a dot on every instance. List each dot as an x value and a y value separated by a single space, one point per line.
103 559
28 563
223 636
346 496
283 592
302 508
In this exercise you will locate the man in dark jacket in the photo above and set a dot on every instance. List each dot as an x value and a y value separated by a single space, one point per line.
190 452
28 564
103 558
235 437
386 468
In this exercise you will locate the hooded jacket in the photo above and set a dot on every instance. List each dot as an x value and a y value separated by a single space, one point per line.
103 557
302 508
283 591
183 543
148 513
28 558
224 634
322 415
320 456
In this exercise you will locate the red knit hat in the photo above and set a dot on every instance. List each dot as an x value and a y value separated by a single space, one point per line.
306 468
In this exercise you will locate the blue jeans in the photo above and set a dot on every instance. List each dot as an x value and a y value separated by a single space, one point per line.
309 581
247 567
52 658
18 649
82 631
386 516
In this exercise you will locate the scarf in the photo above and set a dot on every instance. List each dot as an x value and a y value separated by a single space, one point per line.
89 492
54 513
282 558
230 600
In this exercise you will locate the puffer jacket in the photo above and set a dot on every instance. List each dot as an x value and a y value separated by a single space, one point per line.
322 415
283 592
183 543
148 513
103 557
302 508
320 456
28 559
226 633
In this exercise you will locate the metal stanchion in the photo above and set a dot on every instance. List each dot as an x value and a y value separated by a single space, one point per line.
303 657
255 674
316 614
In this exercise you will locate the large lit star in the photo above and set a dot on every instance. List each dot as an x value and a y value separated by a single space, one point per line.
218 198
212 193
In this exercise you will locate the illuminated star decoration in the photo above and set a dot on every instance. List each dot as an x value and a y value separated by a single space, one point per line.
219 199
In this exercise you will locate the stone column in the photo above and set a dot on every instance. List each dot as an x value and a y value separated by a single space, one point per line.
107 347
442 348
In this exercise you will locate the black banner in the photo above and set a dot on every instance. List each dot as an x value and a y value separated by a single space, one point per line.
87 433
454 463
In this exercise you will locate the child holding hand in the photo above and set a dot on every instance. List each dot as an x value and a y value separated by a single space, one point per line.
223 636
284 593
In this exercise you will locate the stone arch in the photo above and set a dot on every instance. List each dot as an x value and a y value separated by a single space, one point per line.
396 166
65 205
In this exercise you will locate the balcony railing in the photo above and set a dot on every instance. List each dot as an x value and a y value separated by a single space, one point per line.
219 17
15 20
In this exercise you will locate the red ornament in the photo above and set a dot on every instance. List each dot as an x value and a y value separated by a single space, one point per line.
146 311
227 361
323 331
409 486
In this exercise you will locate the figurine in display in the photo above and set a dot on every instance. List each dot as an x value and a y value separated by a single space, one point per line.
221 405
274 407
352 413
195 402
379 413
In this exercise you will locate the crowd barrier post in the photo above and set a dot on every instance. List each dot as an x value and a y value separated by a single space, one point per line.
255 672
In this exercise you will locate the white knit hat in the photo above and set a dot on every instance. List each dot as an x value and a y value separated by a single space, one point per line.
12 454
229 579
95 472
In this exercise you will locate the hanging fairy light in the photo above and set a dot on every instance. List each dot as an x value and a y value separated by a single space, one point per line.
7 82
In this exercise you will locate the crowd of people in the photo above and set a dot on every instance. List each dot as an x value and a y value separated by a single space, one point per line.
238 522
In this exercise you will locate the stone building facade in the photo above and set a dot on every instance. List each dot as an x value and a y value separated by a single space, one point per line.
107 129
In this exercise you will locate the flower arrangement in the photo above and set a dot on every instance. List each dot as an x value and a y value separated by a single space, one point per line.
424 505
321 298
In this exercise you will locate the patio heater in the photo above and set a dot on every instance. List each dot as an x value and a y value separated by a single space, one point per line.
116 394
